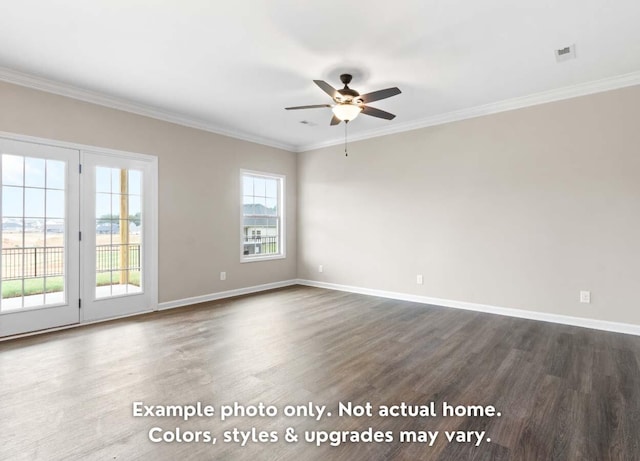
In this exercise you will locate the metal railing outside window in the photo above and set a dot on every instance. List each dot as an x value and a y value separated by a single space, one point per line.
35 262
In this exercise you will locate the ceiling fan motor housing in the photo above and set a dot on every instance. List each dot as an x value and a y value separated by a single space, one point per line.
348 95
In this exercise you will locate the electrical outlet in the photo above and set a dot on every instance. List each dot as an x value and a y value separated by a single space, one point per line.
419 279
585 297
223 276
320 268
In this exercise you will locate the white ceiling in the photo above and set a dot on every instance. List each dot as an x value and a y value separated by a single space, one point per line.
232 67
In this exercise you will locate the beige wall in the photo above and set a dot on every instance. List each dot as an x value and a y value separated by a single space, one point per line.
199 215
521 209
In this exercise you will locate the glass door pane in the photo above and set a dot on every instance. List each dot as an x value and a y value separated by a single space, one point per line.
33 232
118 224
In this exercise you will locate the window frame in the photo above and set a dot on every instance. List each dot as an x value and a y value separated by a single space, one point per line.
281 216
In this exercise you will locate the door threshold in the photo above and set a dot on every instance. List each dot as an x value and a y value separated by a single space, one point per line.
71 325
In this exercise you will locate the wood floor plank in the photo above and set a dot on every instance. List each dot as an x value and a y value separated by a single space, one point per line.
564 393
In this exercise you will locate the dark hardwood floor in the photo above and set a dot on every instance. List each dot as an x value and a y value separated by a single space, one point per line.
564 393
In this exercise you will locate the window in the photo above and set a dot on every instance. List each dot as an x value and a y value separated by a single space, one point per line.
262 227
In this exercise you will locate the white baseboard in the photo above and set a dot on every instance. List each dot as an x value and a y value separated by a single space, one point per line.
224 294
616 327
509 312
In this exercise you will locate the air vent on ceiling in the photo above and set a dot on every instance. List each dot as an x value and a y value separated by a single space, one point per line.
566 53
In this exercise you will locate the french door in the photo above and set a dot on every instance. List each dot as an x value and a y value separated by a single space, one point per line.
117 215
78 236
40 256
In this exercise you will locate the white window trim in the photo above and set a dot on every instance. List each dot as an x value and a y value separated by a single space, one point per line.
281 207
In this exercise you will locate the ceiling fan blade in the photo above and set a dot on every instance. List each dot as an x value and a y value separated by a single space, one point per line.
324 86
377 113
335 120
315 106
380 94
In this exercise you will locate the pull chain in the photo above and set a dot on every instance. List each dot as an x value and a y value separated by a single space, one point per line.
346 122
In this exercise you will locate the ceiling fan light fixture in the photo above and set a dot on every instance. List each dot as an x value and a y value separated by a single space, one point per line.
346 111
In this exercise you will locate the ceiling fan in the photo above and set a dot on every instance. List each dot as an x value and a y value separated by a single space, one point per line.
349 103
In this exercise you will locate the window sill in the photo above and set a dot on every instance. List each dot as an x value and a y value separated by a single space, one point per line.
255 259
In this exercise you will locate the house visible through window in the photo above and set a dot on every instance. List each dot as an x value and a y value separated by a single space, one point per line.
262 216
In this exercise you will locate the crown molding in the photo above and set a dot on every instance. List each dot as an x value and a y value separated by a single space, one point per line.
581 89
70 91
94 97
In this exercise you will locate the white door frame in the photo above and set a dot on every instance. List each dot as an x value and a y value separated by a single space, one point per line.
151 220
